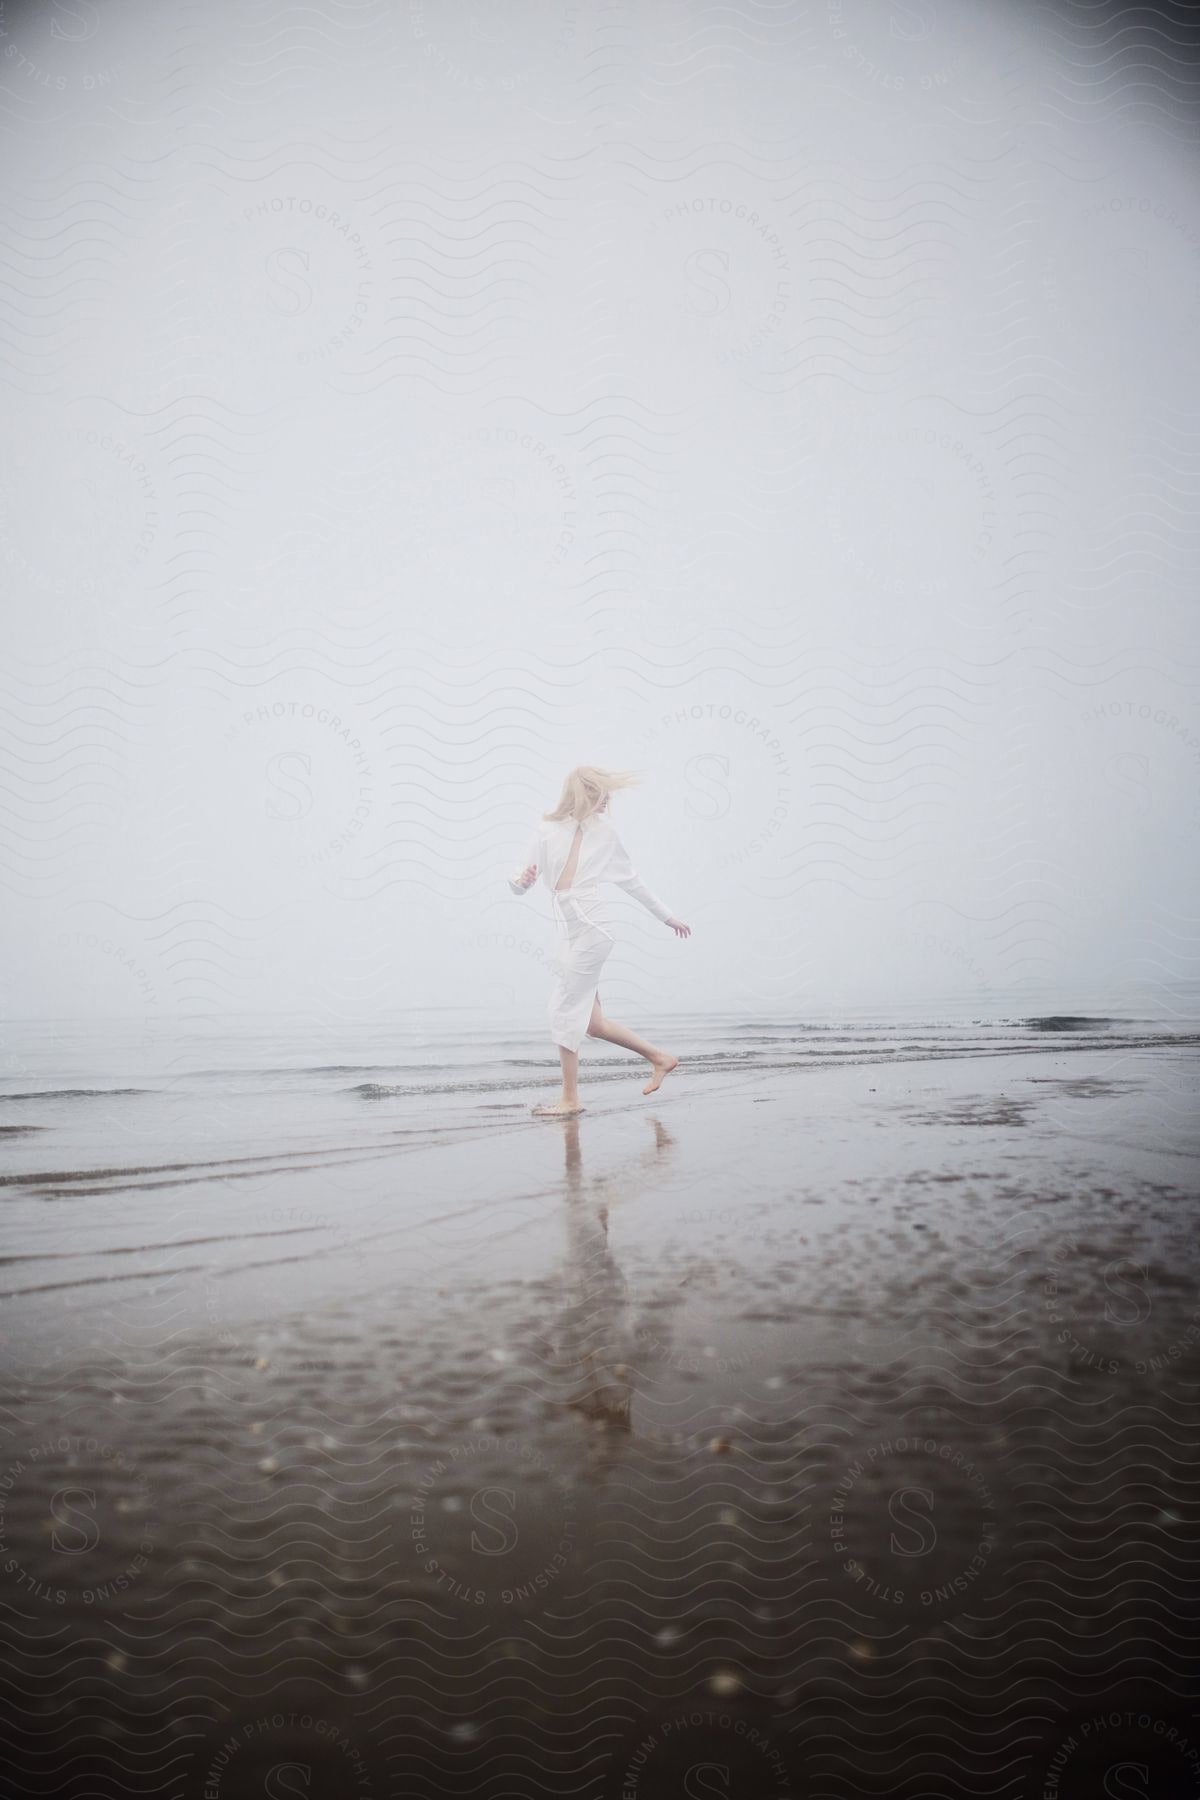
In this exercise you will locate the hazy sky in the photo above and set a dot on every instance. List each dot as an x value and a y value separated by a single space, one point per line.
404 402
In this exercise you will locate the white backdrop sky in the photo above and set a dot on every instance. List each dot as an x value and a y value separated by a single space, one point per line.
403 402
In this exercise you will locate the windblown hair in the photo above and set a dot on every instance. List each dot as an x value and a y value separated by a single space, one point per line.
586 788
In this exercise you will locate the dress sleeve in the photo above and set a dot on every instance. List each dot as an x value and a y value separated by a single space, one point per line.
621 871
533 854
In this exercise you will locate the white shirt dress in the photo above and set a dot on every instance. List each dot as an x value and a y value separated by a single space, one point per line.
583 939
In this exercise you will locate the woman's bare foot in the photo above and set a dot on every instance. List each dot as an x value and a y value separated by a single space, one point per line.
661 1069
558 1109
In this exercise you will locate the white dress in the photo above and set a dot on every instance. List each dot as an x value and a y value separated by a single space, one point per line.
583 939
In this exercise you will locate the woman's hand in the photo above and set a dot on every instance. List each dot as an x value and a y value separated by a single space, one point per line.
679 928
528 876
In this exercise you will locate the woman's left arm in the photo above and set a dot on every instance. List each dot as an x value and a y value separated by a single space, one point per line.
622 872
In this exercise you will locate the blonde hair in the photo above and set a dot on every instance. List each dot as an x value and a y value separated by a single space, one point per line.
586 788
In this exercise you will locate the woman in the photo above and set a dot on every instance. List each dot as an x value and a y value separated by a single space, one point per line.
575 848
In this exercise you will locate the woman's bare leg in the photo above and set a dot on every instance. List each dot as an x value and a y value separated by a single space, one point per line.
608 1029
569 1100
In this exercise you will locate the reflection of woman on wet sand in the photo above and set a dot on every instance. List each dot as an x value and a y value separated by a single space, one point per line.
576 849
596 1348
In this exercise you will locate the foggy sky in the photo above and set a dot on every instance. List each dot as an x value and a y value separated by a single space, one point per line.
403 403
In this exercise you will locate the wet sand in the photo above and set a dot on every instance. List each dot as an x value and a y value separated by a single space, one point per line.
817 1433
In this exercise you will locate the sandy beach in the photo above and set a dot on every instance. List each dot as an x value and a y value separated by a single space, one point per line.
800 1431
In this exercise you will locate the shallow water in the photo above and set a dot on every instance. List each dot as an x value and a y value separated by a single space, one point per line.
137 1153
71 1092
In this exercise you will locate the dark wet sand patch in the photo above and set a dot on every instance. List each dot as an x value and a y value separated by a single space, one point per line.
1086 1087
999 1112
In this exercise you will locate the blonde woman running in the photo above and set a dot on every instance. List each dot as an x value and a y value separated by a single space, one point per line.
575 849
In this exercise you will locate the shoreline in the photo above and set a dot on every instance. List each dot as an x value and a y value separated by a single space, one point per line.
181 1228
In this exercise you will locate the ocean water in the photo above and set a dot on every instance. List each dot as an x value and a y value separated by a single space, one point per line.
81 1097
167 1153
